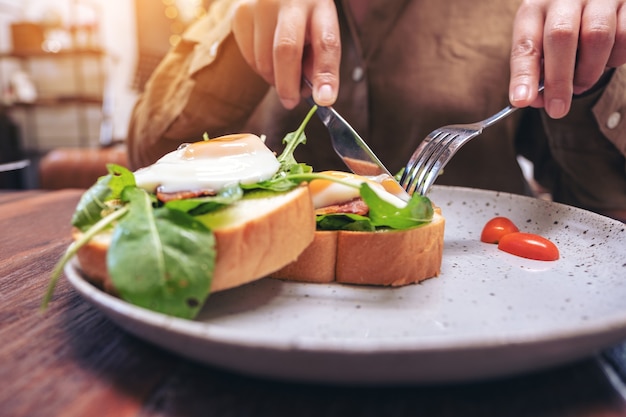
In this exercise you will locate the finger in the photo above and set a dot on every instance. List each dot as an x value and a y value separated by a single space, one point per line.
288 50
264 32
561 33
618 54
526 55
597 37
326 53
243 30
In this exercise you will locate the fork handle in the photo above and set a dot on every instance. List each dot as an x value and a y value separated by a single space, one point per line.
504 112
498 116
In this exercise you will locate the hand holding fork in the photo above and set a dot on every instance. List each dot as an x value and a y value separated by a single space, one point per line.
438 149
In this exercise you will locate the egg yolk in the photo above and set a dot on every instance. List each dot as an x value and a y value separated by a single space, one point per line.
326 192
229 145
392 186
319 184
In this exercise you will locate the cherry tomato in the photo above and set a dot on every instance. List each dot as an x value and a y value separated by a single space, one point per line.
496 228
529 245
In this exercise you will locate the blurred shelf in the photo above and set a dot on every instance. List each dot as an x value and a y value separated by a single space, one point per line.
83 72
63 53
60 101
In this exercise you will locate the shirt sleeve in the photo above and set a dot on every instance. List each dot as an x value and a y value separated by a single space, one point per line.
588 148
203 85
610 111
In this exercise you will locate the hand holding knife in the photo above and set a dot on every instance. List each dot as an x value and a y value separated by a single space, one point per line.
351 148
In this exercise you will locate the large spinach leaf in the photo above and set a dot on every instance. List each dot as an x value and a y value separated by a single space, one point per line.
419 210
161 259
382 214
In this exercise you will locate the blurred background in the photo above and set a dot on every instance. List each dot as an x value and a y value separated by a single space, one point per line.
70 73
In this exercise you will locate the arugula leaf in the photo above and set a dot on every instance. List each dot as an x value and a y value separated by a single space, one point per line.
292 140
75 246
283 180
161 259
94 201
419 210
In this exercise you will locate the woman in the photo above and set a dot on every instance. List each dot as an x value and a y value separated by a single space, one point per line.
396 70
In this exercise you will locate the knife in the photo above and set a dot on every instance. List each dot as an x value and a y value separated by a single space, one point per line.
352 149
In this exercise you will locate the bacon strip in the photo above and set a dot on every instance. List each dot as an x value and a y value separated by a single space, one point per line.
181 195
355 206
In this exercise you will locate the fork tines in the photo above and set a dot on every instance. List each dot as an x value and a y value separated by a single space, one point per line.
425 162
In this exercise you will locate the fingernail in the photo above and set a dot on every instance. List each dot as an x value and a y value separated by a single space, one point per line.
325 94
520 93
289 103
556 108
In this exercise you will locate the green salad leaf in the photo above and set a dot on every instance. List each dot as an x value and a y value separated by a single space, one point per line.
161 259
288 175
93 203
419 210
71 251
382 214
291 142
344 221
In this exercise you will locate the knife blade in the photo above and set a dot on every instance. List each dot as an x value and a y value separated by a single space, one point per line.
352 149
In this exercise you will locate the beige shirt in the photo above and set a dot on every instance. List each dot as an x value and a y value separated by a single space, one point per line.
413 66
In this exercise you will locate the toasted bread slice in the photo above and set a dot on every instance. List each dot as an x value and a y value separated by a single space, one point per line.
316 263
254 237
386 257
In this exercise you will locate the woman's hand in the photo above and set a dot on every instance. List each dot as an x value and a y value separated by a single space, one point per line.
284 39
567 43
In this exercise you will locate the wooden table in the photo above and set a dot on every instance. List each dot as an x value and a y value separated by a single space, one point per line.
72 361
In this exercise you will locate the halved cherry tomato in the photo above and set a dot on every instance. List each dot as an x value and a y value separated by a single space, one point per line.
529 245
496 228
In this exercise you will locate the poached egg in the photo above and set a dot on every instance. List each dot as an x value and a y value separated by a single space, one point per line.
211 164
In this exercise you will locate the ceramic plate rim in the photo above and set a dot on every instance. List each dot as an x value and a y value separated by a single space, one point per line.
224 335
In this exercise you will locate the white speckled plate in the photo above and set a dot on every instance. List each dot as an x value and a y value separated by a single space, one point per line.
489 313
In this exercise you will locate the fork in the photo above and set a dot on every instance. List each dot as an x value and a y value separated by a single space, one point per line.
439 147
